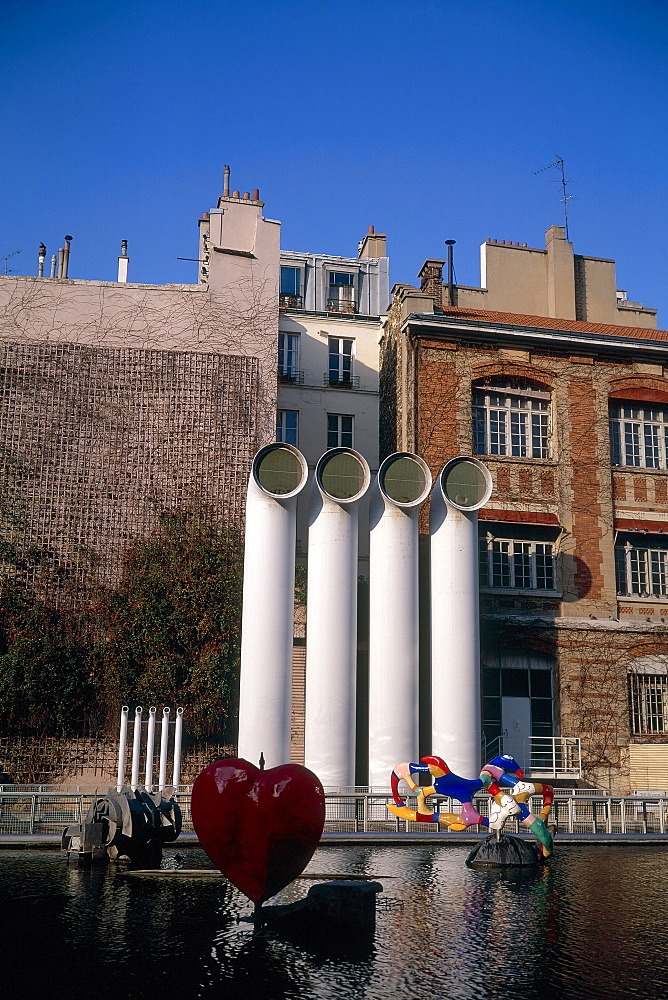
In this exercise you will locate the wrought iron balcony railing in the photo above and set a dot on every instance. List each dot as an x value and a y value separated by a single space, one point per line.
341 306
287 301
291 375
341 381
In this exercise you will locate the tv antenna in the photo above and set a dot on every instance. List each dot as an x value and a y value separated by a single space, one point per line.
559 162
6 269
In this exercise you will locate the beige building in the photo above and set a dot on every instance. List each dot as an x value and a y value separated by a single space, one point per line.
122 401
330 321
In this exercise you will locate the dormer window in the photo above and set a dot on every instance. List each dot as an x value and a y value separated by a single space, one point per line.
290 296
341 292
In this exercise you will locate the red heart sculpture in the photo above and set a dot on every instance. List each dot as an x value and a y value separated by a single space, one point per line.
259 827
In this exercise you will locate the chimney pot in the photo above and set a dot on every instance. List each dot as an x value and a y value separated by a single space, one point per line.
246 195
372 230
235 194
256 194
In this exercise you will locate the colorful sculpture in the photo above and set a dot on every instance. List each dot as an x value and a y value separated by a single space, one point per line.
260 828
502 777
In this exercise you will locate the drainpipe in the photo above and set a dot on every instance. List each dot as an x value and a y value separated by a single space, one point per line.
122 744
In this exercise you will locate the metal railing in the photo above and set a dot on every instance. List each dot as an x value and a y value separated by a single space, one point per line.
293 375
356 811
542 756
288 301
341 306
341 381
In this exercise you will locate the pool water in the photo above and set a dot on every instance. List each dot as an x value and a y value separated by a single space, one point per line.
591 924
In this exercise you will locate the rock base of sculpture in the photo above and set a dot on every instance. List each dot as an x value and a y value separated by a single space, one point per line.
505 852
334 916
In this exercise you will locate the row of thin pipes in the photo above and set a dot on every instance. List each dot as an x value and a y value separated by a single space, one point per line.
150 746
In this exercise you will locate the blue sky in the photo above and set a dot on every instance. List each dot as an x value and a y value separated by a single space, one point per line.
427 119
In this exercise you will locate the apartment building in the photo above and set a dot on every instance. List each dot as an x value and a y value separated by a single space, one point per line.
328 333
559 385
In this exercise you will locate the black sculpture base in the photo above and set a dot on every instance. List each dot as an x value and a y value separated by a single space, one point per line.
505 852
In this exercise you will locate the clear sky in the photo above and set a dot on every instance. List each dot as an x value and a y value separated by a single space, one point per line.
427 119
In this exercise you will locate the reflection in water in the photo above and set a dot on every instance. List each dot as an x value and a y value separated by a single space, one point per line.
591 924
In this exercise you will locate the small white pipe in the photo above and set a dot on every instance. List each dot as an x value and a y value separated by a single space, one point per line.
462 488
122 743
178 737
279 473
164 743
402 485
342 476
136 748
150 744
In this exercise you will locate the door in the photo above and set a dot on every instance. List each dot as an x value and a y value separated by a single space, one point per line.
516 727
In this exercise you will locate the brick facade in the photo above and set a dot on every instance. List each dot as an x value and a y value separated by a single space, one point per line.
575 497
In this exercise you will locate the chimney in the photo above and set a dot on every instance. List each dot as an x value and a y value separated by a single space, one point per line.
431 280
41 257
373 244
65 259
226 182
123 262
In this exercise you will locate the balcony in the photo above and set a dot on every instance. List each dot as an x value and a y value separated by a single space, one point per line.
335 381
287 301
541 756
341 306
291 376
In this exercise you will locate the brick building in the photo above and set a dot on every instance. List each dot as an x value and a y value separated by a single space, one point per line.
566 402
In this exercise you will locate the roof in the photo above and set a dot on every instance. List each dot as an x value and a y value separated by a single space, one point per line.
552 323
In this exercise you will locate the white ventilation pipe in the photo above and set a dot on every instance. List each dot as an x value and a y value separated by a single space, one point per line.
402 485
122 744
278 474
164 745
462 488
341 477
178 738
136 749
150 745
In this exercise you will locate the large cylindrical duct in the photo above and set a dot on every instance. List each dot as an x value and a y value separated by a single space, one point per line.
341 477
462 488
278 475
402 485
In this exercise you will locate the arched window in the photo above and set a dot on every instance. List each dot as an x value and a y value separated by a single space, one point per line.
511 416
639 434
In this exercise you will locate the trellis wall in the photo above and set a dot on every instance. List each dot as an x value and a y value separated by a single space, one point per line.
96 443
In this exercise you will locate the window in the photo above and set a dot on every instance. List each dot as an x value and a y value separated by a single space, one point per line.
511 418
341 293
642 567
648 695
340 361
290 294
512 682
287 426
288 356
339 431
516 564
639 435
